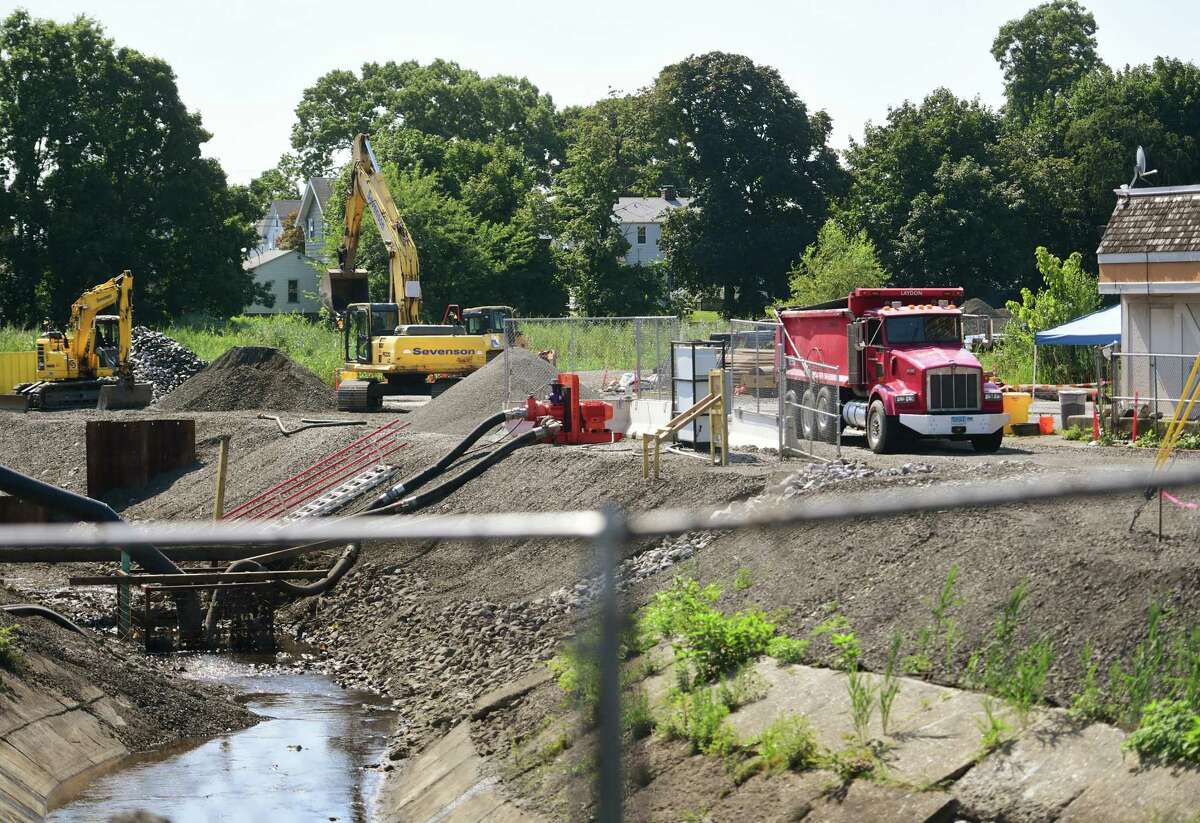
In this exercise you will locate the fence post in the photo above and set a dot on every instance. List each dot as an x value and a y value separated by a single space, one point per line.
609 789
637 357
781 369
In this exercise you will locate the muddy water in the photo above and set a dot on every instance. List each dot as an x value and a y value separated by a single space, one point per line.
312 759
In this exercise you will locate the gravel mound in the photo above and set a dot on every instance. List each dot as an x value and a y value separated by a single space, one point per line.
251 377
460 408
160 361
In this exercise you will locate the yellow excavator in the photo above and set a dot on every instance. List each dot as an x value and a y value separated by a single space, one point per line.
386 348
87 364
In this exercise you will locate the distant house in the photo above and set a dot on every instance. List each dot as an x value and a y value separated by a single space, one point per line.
311 215
271 225
288 275
1150 257
641 220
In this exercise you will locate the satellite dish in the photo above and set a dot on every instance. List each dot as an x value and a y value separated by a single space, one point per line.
1139 168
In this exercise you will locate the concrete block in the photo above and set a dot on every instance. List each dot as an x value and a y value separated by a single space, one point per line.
864 800
1136 794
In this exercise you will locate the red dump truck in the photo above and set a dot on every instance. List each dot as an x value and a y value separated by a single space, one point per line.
893 361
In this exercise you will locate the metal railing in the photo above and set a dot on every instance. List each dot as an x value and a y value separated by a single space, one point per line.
1150 381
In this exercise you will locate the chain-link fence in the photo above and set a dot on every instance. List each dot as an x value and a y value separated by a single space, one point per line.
617 356
752 362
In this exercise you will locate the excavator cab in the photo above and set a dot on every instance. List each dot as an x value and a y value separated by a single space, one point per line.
107 342
364 322
486 319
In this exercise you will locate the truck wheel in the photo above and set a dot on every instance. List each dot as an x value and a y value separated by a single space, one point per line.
808 417
883 429
987 443
828 423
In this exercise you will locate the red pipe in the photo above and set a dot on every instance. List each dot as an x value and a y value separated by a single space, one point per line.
292 481
304 495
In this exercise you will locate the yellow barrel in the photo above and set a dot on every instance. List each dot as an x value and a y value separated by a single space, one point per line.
1016 406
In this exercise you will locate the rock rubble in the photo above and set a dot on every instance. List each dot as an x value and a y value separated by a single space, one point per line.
160 361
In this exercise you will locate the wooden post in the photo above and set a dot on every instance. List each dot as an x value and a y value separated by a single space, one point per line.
123 627
222 463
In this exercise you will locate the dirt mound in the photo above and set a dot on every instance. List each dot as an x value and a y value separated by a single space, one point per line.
461 407
251 377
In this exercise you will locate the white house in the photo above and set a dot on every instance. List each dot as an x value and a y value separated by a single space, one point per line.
641 220
1150 257
288 275
271 225
311 215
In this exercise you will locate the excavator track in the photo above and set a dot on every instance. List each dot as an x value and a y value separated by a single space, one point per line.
359 396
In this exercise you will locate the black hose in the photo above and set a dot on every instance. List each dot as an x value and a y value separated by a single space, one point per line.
422 477
25 609
440 492
187 603
336 572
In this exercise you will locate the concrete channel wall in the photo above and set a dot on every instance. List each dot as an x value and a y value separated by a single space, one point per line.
47 737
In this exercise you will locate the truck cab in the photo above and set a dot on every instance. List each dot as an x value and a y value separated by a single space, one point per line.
891 362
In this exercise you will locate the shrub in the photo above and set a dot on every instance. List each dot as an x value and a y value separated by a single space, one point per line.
636 717
788 743
1169 731
742 580
787 649
10 655
1076 433
699 717
672 611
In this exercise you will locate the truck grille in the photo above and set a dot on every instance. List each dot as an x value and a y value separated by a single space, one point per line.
952 389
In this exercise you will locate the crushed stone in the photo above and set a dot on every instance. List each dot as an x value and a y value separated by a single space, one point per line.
251 377
161 361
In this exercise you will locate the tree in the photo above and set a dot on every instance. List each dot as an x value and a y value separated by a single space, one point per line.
934 193
272 184
113 180
589 245
1045 52
291 236
761 171
441 99
1067 292
836 264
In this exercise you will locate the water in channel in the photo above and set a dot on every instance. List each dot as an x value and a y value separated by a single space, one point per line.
311 760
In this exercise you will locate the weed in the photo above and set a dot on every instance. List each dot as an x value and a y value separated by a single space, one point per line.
1138 686
942 628
993 730
555 747
673 610
1169 731
788 743
1149 438
1089 702
1028 686
890 687
1188 440
862 692
742 580
1076 433
746 686
852 762
636 716
787 649
10 655
1000 668
699 717
1106 438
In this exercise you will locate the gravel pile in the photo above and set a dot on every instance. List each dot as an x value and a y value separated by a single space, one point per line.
160 361
251 377
816 475
462 406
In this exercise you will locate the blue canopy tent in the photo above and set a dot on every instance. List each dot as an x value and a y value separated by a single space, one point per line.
1096 329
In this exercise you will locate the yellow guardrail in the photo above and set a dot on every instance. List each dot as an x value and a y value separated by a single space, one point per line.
17 367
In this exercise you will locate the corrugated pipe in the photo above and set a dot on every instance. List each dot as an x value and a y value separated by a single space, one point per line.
25 609
61 501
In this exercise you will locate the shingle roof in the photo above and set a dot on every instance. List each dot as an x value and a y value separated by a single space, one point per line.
322 188
255 260
1151 220
284 207
646 209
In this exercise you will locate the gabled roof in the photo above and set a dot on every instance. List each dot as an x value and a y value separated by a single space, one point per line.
1160 224
255 260
283 207
646 209
316 190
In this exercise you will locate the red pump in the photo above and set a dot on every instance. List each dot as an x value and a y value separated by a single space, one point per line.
583 421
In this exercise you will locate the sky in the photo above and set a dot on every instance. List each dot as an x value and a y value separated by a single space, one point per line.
243 65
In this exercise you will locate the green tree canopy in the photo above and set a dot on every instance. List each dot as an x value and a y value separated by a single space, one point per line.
1045 52
760 168
440 99
836 264
102 172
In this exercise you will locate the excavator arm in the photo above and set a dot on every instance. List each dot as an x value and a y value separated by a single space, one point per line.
369 192
81 329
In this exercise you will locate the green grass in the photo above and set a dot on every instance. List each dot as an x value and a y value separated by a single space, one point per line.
313 345
16 339
598 344
10 655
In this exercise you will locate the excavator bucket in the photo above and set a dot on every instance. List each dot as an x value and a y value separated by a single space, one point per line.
340 289
124 396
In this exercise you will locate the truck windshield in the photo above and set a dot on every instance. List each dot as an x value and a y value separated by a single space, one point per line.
929 328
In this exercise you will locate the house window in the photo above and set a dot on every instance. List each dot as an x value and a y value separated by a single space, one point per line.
293 291
311 227
641 235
